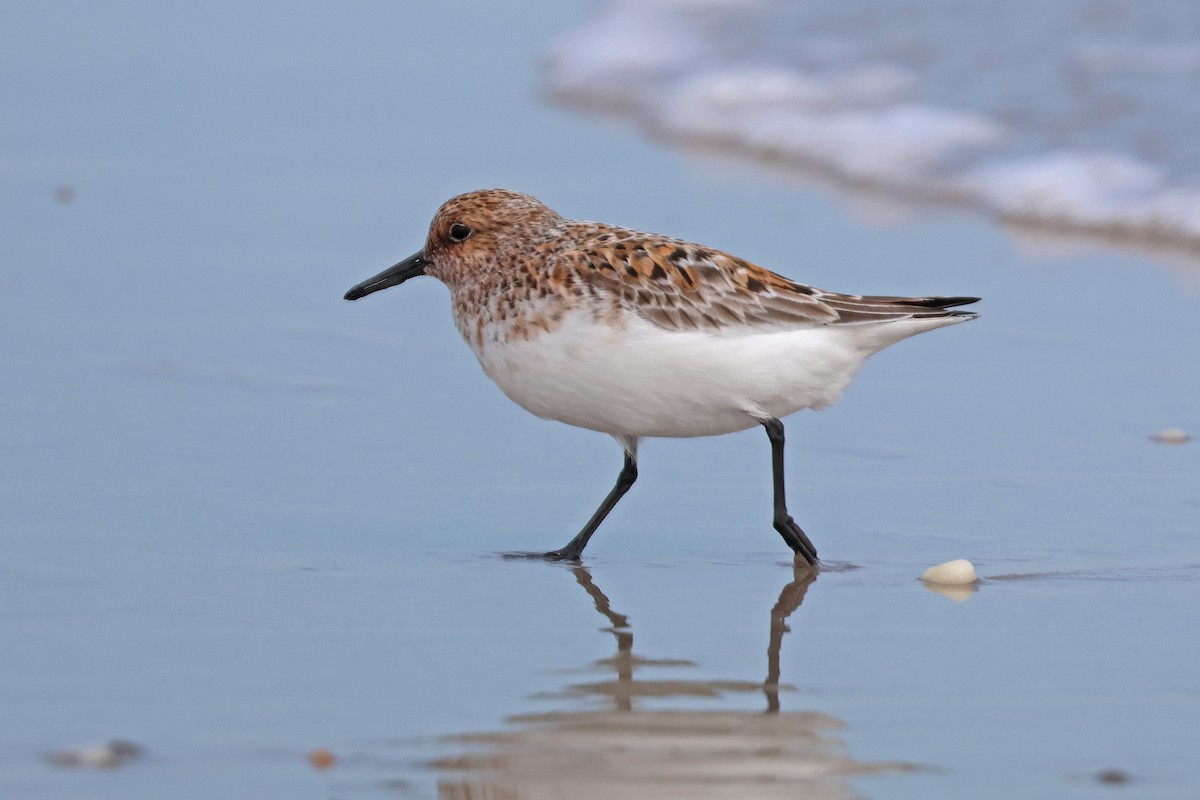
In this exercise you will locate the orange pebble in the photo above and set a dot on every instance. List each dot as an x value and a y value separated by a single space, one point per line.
321 758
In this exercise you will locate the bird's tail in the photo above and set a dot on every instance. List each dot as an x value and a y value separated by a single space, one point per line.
922 307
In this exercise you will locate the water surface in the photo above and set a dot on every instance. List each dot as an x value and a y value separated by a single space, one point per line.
244 519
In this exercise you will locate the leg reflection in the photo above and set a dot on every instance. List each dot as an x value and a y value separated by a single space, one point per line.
623 660
626 688
789 600
625 746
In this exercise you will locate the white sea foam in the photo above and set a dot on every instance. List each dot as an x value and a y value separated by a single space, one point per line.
627 46
841 124
715 73
740 90
1095 191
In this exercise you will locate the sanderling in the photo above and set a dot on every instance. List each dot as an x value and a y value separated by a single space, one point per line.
635 334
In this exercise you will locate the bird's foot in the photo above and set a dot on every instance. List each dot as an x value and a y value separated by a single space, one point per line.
564 554
797 539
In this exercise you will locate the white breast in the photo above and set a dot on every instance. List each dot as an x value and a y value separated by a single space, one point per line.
641 380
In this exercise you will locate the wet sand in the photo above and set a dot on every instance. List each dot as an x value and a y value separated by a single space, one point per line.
245 520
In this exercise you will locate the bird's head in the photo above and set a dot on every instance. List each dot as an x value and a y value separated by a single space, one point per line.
468 233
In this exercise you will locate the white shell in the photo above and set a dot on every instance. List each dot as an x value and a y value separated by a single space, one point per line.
1172 436
958 572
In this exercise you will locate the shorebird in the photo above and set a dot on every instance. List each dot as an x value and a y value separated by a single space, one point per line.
641 335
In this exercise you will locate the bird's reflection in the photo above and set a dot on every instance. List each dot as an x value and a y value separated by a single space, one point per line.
789 600
625 688
627 748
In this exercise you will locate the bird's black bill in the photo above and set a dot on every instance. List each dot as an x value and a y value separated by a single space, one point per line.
410 267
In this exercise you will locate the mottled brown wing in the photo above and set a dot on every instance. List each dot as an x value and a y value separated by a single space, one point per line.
681 286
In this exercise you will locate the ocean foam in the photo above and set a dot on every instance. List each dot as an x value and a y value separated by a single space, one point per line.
691 71
1093 191
626 47
823 124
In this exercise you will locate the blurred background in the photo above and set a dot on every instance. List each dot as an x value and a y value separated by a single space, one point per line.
246 521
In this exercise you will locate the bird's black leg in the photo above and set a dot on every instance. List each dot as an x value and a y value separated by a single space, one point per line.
787 527
574 548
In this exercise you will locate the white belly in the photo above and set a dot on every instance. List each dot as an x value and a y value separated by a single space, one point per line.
641 380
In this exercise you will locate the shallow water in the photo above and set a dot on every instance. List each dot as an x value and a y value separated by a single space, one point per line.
245 519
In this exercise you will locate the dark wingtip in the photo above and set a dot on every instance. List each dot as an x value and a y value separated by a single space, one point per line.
940 306
944 302
951 302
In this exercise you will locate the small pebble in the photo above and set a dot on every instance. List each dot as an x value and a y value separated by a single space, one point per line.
958 572
1112 776
1171 436
321 758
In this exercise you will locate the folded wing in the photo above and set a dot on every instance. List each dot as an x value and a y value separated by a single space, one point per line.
686 287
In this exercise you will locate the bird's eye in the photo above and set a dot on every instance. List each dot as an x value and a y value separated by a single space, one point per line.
459 232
